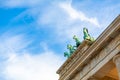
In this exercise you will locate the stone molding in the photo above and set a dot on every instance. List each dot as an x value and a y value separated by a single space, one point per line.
79 62
74 57
97 62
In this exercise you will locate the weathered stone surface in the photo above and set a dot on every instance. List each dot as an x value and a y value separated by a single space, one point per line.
72 61
102 58
96 59
116 60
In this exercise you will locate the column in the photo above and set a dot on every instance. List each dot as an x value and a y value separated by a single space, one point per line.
92 78
116 60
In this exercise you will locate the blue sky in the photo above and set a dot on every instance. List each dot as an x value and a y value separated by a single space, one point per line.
34 33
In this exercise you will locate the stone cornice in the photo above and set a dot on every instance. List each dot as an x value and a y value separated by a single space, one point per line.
103 40
81 47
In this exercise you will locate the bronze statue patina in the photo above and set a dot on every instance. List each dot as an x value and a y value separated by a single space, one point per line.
87 35
70 48
76 40
71 51
67 54
73 48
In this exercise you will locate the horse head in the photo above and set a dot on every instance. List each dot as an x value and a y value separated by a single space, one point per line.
85 30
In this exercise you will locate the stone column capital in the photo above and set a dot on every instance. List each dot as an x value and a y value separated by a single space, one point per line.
116 57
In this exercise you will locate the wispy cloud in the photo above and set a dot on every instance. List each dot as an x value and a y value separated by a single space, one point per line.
32 67
75 14
67 12
20 64
60 15
51 22
12 44
65 20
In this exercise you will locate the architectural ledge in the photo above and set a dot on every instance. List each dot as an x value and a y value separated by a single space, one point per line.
85 52
84 45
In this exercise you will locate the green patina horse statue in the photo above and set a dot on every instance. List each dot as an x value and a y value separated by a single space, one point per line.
73 48
70 48
77 41
67 54
87 35
71 51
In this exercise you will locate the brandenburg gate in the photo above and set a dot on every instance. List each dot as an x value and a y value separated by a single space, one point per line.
97 61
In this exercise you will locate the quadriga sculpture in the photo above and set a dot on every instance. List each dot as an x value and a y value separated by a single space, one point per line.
71 50
67 54
77 41
87 35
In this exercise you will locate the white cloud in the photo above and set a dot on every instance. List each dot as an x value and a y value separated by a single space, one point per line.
12 44
33 67
65 20
74 14
59 15
20 64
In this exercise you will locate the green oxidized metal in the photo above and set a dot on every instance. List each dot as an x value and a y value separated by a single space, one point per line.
73 48
87 35
71 51
67 54
76 40
70 48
